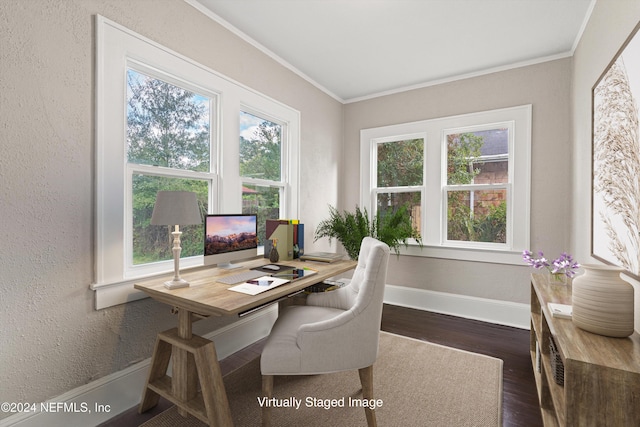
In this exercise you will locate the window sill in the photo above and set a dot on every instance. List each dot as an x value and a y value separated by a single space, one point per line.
120 292
108 295
494 256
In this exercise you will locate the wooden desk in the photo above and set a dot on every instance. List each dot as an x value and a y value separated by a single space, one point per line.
194 358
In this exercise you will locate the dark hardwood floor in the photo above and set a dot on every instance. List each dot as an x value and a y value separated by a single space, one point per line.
520 404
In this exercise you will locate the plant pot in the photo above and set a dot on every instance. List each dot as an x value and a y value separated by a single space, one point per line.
603 302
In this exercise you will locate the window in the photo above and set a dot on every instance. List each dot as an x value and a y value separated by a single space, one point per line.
400 176
477 184
464 179
261 169
164 122
168 148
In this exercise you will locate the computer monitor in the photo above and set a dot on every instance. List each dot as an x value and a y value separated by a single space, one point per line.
230 238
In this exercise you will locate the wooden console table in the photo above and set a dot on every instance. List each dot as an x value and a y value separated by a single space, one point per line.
194 358
601 374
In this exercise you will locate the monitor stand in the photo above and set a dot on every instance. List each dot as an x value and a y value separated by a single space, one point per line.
228 266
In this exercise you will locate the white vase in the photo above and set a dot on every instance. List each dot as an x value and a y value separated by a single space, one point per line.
603 302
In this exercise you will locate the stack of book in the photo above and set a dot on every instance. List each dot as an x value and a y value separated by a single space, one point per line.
289 235
322 257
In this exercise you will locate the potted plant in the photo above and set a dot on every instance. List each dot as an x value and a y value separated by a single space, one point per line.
349 228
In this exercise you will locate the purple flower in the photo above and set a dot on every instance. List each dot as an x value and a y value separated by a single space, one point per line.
564 264
536 263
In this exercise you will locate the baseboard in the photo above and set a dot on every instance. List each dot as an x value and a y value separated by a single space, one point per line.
487 310
103 399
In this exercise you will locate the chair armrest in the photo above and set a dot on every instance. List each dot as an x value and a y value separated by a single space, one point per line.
326 325
342 329
341 298
352 341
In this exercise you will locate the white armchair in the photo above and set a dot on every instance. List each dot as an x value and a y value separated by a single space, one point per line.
335 331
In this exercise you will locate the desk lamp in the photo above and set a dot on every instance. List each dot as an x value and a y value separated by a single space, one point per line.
174 208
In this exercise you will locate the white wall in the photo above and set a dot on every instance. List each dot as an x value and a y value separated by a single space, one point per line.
547 87
610 24
52 338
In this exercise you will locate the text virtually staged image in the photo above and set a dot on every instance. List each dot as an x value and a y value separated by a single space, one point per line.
348 213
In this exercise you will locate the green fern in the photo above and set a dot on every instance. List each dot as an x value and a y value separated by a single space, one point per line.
349 228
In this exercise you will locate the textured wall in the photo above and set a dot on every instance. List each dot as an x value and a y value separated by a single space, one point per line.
547 87
52 338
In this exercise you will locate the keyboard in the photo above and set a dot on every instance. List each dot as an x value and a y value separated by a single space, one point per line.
243 276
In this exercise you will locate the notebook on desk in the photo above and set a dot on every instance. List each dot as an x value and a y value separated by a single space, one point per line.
259 285
265 283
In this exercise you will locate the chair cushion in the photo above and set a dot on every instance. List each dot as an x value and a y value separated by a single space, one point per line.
281 354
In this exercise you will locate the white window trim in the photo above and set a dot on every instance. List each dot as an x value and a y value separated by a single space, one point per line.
117 48
433 131
509 124
149 269
285 172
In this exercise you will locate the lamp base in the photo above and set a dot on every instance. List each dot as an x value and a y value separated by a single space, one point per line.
176 284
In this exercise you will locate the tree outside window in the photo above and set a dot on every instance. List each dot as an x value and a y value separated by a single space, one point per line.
157 128
477 165
168 128
400 171
261 169
465 178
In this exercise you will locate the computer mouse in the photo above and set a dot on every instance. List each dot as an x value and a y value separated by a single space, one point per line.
271 267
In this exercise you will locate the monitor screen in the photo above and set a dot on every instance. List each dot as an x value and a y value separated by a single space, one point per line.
230 238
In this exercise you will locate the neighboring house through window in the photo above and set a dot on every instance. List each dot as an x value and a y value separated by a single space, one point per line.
464 179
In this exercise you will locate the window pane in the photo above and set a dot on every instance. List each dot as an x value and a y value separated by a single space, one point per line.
166 124
263 201
260 148
479 157
153 243
400 163
390 202
477 216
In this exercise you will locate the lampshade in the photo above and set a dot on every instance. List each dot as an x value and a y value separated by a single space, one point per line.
176 208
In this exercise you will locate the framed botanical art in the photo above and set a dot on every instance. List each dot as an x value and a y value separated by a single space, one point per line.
615 228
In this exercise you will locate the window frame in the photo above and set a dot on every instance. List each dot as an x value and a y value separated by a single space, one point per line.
376 190
132 270
118 49
434 215
508 186
285 171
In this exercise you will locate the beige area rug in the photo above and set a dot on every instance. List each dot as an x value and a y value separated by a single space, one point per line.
418 383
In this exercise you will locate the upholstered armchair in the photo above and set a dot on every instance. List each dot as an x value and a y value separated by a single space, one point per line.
335 331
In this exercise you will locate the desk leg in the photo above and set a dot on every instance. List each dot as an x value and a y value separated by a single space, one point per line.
157 372
184 382
194 358
213 391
